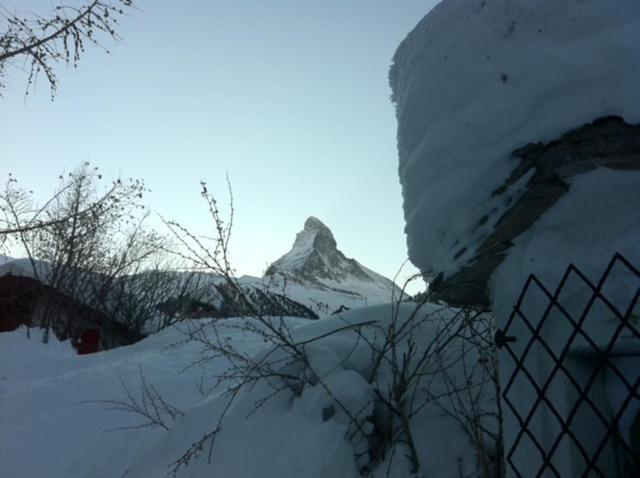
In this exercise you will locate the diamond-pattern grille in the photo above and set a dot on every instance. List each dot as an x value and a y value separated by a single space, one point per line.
599 326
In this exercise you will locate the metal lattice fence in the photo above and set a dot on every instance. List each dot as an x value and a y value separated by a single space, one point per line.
573 387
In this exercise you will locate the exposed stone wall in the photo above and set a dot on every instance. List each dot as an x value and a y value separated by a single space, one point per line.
608 142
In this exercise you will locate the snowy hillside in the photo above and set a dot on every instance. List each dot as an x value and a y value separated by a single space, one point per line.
48 396
4 259
46 393
317 274
174 293
17 267
474 81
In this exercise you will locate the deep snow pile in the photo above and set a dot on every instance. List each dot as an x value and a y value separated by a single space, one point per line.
305 428
302 430
586 227
477 79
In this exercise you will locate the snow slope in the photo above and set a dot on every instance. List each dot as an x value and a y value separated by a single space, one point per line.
48 429
19 267
477 79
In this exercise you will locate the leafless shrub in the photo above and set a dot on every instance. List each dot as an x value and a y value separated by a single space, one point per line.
455 370
150 406
154 295
90 244
285 366
465 395
453 367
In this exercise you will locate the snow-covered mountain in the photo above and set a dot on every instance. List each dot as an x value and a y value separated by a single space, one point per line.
317 274
313 279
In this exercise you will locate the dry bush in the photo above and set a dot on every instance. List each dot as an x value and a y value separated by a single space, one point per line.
89 242
453 368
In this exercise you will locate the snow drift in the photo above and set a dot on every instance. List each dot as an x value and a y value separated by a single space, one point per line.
474 81
59 402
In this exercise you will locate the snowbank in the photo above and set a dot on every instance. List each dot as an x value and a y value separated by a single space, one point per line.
303 432
308 433
477 79
49 426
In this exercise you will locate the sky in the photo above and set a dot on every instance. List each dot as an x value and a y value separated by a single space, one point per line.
290 98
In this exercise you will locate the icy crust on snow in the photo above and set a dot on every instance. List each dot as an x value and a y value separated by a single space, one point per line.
477 79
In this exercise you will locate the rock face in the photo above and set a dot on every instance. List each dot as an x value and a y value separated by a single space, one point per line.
315 257
316 273
608 142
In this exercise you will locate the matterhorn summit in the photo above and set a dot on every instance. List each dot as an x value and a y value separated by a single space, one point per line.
316 273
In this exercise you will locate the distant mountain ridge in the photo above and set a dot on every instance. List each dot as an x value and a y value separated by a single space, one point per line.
4 259
313 279
209 295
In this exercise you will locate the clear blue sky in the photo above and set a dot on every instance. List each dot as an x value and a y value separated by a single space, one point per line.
290 97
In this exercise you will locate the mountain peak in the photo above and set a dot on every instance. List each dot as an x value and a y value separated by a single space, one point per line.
315 236
313 244
315 256
313 224
317 268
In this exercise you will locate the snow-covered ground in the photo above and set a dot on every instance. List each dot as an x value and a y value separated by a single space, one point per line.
47 427
52 427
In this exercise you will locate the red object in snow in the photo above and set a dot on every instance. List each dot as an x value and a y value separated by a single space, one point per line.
89 342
